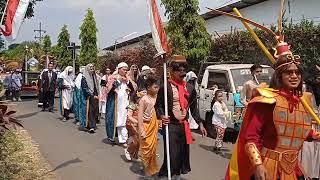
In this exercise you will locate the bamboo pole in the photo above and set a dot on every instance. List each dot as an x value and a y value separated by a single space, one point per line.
271 58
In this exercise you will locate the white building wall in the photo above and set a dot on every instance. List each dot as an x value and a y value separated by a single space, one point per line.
267 13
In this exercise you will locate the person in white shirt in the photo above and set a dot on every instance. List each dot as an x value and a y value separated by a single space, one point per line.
220 119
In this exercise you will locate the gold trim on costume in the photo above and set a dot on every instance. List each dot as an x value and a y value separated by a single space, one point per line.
253 154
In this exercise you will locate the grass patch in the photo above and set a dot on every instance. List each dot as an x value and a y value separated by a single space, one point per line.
20 158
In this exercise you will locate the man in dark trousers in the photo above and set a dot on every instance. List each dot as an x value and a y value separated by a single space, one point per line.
49 82
181 98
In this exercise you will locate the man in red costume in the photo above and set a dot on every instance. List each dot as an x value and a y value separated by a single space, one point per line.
275 126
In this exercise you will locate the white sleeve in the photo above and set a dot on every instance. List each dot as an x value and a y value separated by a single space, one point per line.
217 109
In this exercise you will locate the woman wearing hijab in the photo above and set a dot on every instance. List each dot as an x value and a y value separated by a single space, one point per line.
191 79
79 101
119 88
66 85
90 84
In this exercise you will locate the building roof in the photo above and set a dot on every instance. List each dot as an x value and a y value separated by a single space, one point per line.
206 16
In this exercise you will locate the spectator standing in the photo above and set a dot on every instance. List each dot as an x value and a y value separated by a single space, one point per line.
49 82
16 79
249 86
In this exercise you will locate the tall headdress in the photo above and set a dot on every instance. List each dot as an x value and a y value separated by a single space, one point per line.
282 54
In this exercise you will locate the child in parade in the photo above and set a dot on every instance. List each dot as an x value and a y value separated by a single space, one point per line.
219 118
148 127
132 127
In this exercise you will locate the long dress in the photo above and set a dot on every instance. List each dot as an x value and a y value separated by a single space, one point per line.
91 110
66 95
116 112
148 146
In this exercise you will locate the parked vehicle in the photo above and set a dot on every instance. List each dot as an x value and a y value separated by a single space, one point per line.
29 88
228 77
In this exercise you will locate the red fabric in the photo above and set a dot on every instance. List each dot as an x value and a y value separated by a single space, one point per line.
188 132
11 11
183 93
261 130
292 99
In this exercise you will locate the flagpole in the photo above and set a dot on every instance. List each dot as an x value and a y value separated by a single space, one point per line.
4 12
165 87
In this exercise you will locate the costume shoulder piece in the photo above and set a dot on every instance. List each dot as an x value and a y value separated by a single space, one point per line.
308 97
264 95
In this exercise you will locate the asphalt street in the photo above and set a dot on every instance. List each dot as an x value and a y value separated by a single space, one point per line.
77 155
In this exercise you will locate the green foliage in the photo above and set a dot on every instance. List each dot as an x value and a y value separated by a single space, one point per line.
186 30
303 37
88 37
18 53
61 51
47 43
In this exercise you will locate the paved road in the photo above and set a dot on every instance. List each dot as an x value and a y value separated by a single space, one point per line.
76 155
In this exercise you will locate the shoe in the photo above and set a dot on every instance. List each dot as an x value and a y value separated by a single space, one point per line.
127 155
91 130
43 110
78 123
64 120
111 140
20 100
14 99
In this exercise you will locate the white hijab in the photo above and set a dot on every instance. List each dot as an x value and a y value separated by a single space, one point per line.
79 77
68 78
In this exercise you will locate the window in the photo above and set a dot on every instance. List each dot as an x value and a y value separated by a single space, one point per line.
220 79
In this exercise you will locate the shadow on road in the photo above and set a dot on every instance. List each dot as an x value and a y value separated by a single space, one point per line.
224 152
65 164
24 116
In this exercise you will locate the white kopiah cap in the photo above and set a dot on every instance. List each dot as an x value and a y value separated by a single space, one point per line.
122 64
145 68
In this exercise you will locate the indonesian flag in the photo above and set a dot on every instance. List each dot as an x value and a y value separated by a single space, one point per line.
158 33
16 12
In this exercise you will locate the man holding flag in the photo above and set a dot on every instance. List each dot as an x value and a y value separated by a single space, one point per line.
181 97
177 97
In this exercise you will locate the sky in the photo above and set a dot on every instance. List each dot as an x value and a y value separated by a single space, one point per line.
114 18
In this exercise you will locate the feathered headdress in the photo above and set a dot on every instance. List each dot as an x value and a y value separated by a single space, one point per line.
282 49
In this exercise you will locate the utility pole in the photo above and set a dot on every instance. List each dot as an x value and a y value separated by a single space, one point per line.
40 31
73 48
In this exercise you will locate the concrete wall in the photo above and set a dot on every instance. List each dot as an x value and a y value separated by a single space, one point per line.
267 13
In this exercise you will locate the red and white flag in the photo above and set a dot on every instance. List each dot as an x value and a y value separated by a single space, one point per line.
158 33
16 11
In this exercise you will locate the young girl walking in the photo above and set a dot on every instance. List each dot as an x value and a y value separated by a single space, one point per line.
148 127
220 119
132 127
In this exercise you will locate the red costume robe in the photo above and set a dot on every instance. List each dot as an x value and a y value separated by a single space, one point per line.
272 129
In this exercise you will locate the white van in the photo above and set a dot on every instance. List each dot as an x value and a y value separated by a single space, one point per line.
228 77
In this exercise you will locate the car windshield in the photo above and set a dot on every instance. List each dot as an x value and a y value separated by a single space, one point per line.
240 76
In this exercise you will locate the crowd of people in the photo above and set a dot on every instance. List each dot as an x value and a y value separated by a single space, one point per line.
132 104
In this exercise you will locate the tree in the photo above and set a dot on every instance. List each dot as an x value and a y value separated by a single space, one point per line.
29 13
186 30
88 37
63 54
46 43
